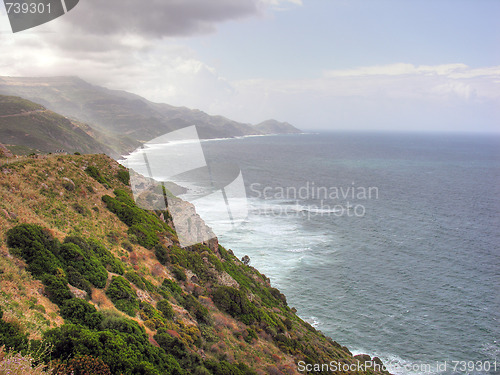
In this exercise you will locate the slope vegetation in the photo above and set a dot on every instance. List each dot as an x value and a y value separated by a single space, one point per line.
106 286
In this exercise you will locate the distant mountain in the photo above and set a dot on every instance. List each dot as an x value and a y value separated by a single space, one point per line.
27 127
123 117
276 127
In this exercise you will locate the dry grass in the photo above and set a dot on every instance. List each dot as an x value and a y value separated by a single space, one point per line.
22 298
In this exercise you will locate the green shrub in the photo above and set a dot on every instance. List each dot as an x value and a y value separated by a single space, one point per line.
148 311
278 295
250 335
85 263
171 286
127 353
78 311
144 235
235 303
161 254
179 273
91 247
134 278
170 344
68 186
149 286
96 175
127 246
76 279
56 288
36 246
122 295
118 323
11 336
200 312
143 225
165 308
124 176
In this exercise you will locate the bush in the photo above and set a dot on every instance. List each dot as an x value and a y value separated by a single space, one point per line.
165 308
56 288
200 312
96 175
250 335
122 295
171 286
68 186
124 353
124 176
120 324
144 236
76 279
92 247
235 303
148 311
78 311
134 278
127 246
81 210
161 254
179 273
36 246
170 344
149 286
143 225
11 336
278 295
85 263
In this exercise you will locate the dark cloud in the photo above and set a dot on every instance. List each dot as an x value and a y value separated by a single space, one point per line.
157 18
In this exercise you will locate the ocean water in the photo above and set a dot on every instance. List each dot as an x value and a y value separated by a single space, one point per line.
388 243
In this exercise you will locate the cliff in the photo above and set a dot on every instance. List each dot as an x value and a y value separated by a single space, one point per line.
105 285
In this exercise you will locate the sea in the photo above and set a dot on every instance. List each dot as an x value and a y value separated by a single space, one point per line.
389 243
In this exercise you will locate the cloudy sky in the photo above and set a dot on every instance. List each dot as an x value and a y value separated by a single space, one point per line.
319 64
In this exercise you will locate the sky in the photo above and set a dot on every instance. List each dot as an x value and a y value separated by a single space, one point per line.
405 65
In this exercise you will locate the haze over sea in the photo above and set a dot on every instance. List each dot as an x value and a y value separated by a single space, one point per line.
410 274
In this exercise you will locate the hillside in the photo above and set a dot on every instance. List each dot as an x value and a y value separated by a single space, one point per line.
127 116
276 127
107 287
27 127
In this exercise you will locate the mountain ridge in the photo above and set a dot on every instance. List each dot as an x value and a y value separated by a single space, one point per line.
27 127
122 114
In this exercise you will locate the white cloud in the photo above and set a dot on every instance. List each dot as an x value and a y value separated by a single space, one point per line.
399 69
